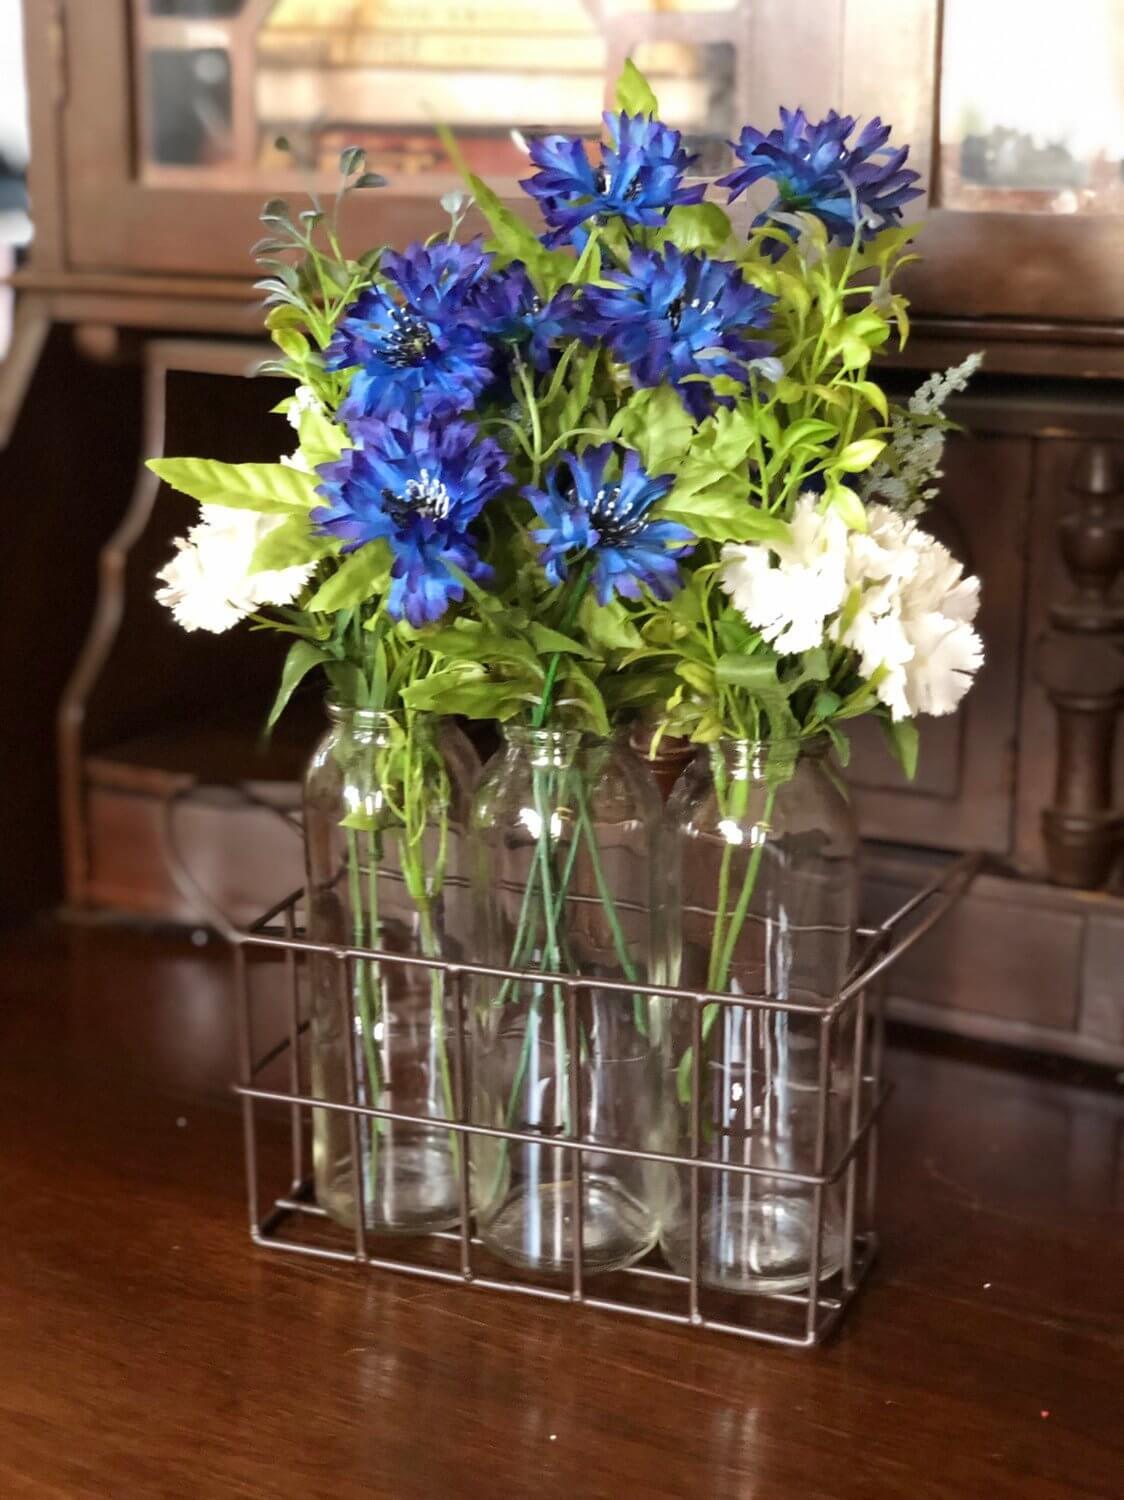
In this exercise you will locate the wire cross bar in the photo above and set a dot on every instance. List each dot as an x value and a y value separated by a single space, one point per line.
882 951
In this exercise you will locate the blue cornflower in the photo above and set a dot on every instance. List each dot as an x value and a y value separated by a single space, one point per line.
672 315
640 178
509 309
413 341
584 512
419 486
862 187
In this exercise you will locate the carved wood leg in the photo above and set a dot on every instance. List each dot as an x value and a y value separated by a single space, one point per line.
1080 663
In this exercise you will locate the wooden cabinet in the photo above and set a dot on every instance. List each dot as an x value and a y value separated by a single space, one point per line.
156 124
154 128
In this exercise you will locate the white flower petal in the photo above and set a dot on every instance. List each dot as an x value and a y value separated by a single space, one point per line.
208 583
946 655
304 399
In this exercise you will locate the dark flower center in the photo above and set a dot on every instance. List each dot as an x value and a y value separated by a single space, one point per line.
408 342
616 524
426 496
678 306
603 182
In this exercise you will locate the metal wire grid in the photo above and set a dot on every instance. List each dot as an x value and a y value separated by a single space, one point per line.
811 1315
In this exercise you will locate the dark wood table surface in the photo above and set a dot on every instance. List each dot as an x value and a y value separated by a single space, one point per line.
147 1350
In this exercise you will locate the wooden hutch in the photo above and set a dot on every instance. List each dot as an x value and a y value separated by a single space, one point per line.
154 126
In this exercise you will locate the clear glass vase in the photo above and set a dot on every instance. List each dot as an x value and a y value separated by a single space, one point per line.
564 855
386 798
763 867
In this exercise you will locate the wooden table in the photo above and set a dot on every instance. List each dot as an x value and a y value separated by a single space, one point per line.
146 1350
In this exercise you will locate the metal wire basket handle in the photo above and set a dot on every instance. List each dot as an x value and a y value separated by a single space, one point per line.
232 795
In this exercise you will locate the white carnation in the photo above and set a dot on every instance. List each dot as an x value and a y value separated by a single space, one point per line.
909 616
893 594
791 602
208 583
946 655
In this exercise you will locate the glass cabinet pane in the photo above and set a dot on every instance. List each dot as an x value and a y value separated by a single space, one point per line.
223 79
1032 106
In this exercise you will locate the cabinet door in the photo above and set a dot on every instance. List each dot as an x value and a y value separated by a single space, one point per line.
963 795
172 130
173 109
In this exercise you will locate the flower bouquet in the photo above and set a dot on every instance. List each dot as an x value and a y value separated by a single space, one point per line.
627 464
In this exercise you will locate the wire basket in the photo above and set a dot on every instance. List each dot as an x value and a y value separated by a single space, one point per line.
270 958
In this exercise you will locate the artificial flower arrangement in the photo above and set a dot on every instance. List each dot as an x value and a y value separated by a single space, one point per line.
633 465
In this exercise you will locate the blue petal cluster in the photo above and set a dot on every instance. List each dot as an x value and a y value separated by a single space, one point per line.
413 342
674 315
510 310
418 485
863 186
639 180
584 512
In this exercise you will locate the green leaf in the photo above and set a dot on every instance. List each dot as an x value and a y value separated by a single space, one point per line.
790 391
578 690
302 657
352 159
827 704
697 226
756 674
292 344
289 545
854 353
807 430
723 513
271 488
728 437
841 743
582 370
476 643
843 500
608 627
698 677
362 575
469 692
321 441
904 744
814 667
875 396
656 423
634 93
512 237
858 455
548 641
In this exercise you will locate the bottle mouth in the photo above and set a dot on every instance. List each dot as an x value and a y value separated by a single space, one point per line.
548 747
346 713
766 759
385 726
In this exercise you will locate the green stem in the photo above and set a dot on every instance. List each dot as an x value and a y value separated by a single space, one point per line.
550 921
523 930
542 712
741 909
608 905
363 978
437 1012
727 932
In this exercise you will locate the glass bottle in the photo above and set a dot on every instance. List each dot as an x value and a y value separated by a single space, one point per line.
763 868
385 807
564 858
